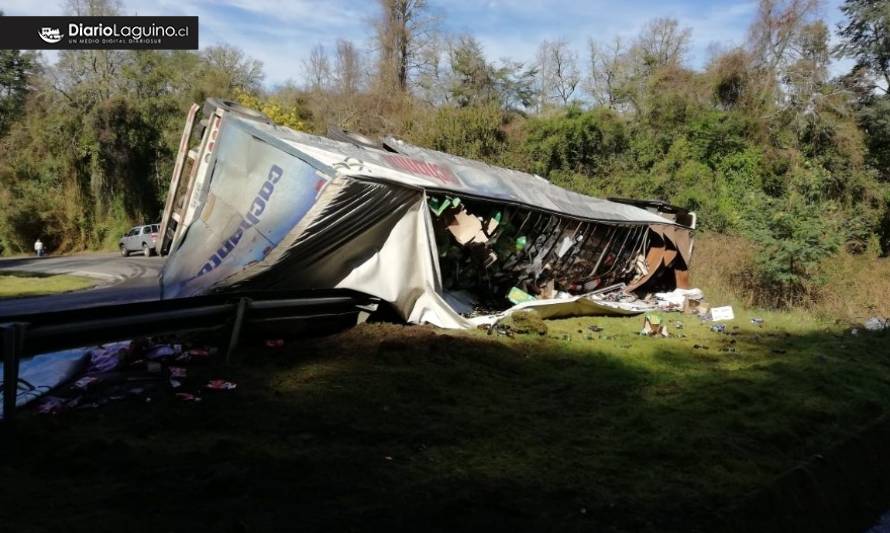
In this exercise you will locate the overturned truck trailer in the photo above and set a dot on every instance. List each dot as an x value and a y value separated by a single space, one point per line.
253 206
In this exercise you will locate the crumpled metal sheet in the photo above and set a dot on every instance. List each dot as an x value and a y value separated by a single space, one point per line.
284 210
431 170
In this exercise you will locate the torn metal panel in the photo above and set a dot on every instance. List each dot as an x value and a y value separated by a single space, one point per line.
255 194
583 305
271 209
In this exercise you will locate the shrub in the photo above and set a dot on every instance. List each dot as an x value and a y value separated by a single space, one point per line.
472 132
796 240
582 142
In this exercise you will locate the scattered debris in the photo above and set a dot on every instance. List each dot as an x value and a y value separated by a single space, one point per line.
679 299
518 296
220 384
696 307
90 377
50 405
718 328
757 322
163 351
876 324
84 382
719 314
201 353
188 397
42 373
653 325
107 357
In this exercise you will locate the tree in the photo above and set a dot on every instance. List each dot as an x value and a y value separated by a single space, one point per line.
806 76
663 43
866 38
231 69
558 70
732 73
515 85
433 83
776 42
318 69
403 28
16 71
473 81
776 26
347 68
793 243
472 77
620 76
609 71
17 68
86 77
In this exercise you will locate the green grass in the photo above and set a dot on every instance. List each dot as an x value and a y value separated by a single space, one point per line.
387 427
22 284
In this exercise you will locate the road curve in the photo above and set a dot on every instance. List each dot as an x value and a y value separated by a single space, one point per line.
121 279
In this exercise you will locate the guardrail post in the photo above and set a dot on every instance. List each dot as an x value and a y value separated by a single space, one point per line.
13 339
236 327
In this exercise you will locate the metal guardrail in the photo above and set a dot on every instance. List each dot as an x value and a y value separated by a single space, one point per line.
25 335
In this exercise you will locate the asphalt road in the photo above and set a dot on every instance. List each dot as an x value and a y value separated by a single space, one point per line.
120 279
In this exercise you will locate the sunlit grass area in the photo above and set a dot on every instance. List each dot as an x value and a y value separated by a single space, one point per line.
387 427
22 284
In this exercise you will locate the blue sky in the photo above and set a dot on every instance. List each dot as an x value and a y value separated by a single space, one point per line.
280 33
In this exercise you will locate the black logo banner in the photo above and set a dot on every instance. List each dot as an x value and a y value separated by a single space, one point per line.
97 33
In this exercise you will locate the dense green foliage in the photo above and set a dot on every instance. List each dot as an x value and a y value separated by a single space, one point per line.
91 153
15 69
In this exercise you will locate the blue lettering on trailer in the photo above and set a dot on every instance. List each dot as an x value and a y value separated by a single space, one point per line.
252 218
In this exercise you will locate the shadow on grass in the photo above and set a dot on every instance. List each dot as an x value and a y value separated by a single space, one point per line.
404 428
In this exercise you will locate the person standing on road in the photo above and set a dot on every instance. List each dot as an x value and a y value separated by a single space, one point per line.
38 247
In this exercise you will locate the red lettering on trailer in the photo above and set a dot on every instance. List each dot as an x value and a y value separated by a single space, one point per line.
423 168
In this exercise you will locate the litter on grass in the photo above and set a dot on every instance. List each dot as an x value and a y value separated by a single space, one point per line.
653 325
89 377
220 384
876 324
720 314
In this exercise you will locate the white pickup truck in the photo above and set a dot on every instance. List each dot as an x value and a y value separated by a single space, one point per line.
142 239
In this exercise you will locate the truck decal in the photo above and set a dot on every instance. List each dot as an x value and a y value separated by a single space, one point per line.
257 207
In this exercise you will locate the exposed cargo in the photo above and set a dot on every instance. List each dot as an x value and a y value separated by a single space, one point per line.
445 240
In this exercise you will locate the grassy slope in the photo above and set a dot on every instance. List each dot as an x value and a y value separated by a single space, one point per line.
18 285
409 428
846 287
